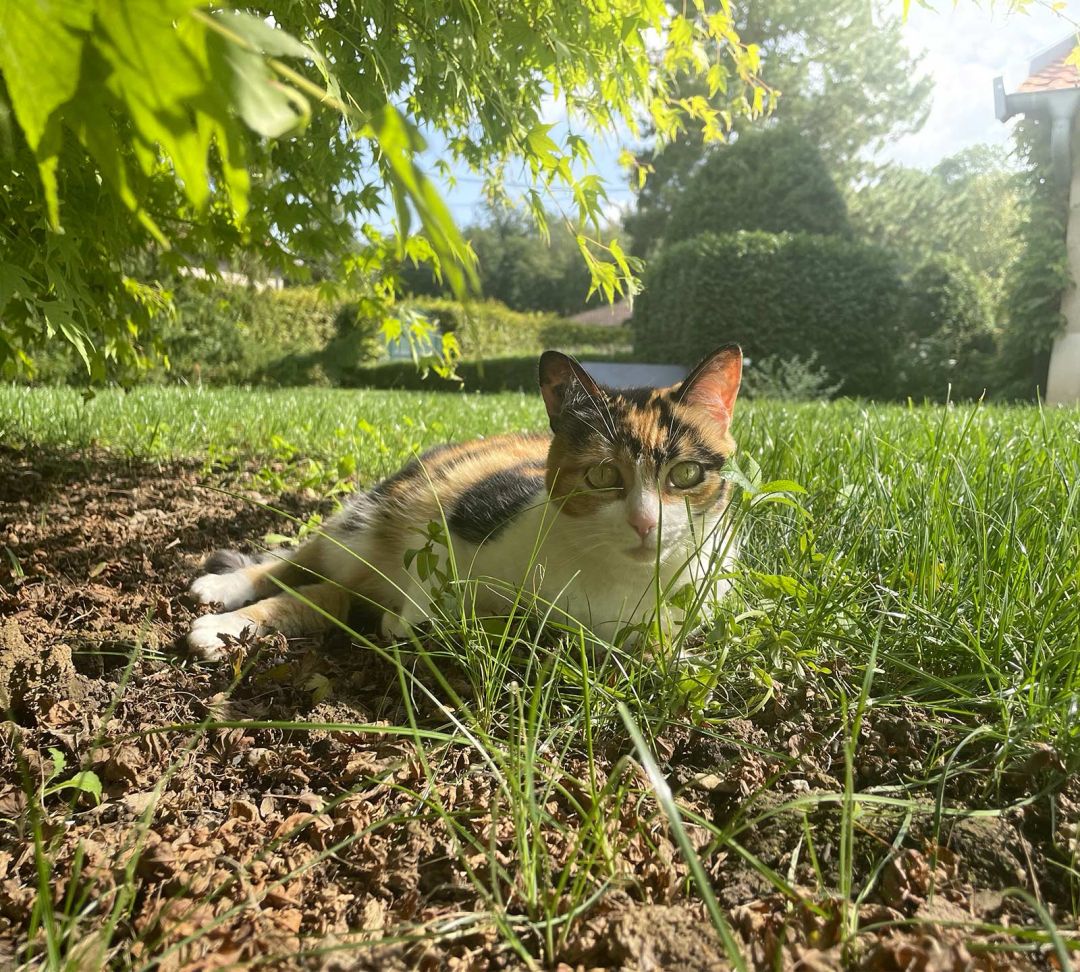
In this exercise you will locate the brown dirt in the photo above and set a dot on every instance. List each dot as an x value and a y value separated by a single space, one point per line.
300 848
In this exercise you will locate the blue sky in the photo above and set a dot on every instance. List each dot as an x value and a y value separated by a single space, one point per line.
964 48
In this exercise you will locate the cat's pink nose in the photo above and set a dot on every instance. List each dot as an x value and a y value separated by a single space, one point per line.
642 522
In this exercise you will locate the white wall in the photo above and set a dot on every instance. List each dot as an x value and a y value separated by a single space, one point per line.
1063 381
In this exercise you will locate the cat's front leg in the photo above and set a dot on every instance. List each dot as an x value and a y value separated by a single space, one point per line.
414 611
231 590
308 610
232 579
205 641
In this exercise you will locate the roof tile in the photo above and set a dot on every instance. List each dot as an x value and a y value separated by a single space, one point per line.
1057 76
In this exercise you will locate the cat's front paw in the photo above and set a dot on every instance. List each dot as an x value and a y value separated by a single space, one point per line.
204 639
230 590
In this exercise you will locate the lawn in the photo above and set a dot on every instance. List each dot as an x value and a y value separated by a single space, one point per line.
868 759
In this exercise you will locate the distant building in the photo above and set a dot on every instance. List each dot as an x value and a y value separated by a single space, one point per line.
607 314
271 282
1052 91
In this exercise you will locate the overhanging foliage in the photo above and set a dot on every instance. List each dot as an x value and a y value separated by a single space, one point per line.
285 128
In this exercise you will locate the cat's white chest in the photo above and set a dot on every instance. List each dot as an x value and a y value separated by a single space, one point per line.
578 570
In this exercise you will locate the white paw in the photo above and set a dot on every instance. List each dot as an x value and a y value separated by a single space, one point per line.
397 627
233 590
204 639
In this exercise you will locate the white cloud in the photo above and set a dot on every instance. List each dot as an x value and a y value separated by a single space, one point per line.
966 46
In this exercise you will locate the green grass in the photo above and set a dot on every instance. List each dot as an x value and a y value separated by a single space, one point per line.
378 428
934 561
955 531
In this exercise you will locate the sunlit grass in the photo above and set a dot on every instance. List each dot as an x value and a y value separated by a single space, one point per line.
377 428
933 561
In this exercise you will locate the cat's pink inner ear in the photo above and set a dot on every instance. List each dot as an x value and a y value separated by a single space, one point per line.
714 384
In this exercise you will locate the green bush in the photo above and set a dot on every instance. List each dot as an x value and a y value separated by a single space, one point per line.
488 329
509 373
773 180
787 380
948 336
228 334
788 296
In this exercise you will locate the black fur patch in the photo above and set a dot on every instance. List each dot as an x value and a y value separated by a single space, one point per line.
638 397
693 446
225 562
485 508
358 512
417 468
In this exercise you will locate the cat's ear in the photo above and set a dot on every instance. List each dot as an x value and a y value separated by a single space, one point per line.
714 384
559 373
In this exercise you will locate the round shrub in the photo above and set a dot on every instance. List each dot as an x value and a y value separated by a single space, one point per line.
948 339
773 180
789 296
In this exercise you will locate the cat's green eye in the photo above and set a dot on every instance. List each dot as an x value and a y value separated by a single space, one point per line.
684 475
604 476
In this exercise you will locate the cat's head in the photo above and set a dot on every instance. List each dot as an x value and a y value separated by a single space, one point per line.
639 468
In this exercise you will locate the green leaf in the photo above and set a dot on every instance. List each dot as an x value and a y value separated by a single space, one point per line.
156 76
542 145
58 761
783 486
399 144
782 585
267 106
264 37
41 45
85 782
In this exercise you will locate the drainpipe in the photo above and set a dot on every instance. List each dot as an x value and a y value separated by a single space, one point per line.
1061 106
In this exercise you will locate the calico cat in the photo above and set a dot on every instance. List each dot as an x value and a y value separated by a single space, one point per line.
626 485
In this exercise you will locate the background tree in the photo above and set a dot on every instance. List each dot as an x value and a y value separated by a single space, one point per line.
518 265
773 180
969 206
1031 302
846 80
132 124
947 342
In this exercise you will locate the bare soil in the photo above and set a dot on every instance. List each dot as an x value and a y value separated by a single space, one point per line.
301 848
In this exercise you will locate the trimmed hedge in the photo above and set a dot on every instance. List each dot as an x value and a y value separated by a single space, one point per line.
788 296
488 329
511 373
583 338
224 334
227 334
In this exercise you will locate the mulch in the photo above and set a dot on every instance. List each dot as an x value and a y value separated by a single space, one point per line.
246 844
